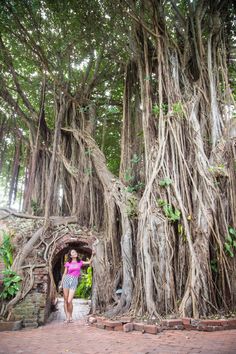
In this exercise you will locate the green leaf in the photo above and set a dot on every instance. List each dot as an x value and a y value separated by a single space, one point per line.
113 109
214 266
6 250
11 291
165 182
177 108
232 231
180 229
16 279
177 214
156 109
229 249
135 159
161 202
127 176
130 189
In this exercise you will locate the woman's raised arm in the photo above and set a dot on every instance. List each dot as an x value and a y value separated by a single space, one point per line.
90 261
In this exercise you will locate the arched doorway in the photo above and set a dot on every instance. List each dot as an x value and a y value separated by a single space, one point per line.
59 260
83 246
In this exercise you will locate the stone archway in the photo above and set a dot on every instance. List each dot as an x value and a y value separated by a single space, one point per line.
39 268
82 244
82 241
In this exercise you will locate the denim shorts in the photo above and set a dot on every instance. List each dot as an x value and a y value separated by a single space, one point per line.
70 282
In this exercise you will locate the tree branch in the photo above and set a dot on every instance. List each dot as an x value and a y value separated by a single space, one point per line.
9 64
5 94
178 13
27 39
137 19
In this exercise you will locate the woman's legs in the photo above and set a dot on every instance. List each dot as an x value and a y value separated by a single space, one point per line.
69 303
66 294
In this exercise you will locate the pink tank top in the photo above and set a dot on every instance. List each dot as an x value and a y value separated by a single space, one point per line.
73 268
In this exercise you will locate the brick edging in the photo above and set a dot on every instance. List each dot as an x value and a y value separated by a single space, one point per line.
128 324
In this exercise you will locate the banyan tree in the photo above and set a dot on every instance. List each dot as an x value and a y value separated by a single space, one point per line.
122 116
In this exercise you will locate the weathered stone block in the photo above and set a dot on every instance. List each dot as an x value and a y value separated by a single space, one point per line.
119 328
112 324
128 327
109 328
186 321
232 323
172 323
225 324
10 325
152 329
31 324
209 323
92 320
194 323
100 325
138 326
30 320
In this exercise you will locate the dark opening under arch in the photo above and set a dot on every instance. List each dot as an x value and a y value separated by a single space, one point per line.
84 252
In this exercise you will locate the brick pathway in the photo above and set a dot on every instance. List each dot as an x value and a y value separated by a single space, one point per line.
79 338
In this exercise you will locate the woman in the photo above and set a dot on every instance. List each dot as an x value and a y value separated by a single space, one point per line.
70 281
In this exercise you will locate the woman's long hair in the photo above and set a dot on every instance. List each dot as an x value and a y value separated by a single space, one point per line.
69 258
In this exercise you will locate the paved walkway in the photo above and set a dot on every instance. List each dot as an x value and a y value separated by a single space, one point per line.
80 310
79 338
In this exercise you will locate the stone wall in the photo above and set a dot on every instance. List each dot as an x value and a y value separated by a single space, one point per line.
32 310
